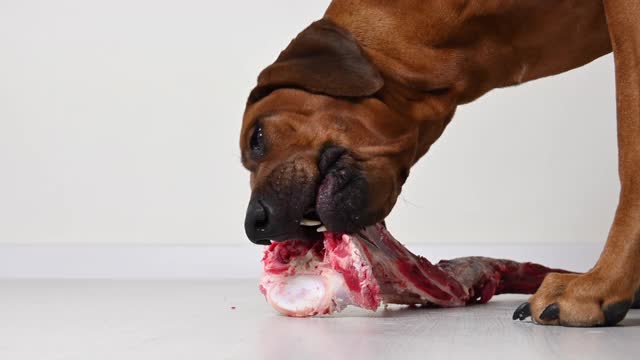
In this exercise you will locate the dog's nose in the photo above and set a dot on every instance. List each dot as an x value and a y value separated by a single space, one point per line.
268 221
256 222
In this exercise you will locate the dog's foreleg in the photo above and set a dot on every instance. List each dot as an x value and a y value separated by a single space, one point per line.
603 295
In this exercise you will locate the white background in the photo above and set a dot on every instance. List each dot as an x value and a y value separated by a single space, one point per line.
119 123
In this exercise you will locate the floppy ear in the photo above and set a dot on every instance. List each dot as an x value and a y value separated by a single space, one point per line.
322 59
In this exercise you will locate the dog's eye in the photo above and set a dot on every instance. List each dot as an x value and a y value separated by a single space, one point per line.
257 142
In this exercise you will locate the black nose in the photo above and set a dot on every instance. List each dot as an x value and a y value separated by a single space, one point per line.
256 222
268 220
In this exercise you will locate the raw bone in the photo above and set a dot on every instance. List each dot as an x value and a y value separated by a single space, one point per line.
371 267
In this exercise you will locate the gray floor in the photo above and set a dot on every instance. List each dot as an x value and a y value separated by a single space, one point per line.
93 320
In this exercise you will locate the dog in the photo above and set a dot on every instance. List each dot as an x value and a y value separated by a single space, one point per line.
334 125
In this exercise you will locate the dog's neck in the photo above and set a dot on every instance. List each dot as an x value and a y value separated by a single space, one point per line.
464 49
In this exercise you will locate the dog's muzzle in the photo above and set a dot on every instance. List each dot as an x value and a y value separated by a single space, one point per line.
293 205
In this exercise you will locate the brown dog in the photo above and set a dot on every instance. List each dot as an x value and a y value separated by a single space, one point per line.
334 125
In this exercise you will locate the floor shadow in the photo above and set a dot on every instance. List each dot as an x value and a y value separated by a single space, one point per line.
632 319
404 311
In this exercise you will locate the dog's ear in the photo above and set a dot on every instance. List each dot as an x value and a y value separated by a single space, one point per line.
322 59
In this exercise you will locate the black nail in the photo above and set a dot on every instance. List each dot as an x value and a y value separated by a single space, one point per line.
552 312
614 313
636 300
522 312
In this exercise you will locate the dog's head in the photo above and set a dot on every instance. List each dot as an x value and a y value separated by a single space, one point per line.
322 144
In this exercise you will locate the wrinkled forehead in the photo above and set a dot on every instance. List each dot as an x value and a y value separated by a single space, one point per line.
287 100
315 105
296 117
297 109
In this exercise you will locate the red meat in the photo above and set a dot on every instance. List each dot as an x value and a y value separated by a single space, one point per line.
371 268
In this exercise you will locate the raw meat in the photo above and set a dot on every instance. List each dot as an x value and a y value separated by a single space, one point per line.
371 267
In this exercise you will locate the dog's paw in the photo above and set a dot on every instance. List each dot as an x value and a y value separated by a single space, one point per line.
578 300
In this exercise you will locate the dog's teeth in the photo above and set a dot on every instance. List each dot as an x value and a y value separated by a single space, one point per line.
307 222
321 229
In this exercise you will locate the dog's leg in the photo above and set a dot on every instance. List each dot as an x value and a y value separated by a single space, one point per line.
603 295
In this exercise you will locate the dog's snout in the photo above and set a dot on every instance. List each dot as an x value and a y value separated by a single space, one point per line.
269 220
256 222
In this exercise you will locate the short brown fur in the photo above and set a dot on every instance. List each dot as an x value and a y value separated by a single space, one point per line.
417 61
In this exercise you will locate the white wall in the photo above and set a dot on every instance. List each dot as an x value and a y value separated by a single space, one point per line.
119 123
